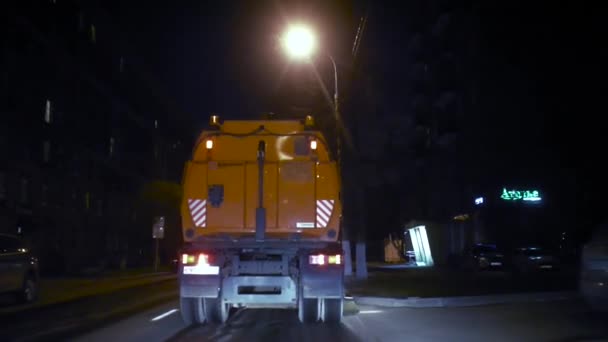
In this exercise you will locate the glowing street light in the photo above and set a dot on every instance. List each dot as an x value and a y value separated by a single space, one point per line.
299 41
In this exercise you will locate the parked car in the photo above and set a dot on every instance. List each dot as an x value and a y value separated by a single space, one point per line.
483 257
18 269
533 258
593 281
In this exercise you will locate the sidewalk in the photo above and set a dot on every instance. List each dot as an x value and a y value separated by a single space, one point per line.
400 281
66 289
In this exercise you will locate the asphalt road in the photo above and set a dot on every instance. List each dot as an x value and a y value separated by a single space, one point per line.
61 321
567 320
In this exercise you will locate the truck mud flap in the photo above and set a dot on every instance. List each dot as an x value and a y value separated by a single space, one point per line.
199 286
323 282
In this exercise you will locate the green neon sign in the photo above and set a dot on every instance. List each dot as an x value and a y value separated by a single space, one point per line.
517 195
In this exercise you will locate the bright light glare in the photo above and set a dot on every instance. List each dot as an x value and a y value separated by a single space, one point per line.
209 144
299 41
159 317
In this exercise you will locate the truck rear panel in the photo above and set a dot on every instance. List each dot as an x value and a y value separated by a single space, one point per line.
300 191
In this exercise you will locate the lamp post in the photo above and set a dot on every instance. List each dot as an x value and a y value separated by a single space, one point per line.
300 43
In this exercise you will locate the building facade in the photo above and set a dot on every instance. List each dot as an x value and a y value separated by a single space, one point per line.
81 135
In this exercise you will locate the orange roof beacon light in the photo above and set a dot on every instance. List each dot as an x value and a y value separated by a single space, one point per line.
309 122
214 121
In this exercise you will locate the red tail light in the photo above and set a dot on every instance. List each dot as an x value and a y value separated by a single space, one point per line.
322 259
203 259
199 264
192 259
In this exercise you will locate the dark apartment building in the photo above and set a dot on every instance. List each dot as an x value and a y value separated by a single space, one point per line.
82 133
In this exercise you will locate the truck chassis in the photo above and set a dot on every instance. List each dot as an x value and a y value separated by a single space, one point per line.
261 274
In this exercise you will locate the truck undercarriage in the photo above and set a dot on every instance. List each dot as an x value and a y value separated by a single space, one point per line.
221 275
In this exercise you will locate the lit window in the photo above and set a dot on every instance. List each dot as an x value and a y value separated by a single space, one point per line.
93 34
48 112
46 151
87 200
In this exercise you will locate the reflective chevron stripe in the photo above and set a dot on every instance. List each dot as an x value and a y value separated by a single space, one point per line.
198 211
324 210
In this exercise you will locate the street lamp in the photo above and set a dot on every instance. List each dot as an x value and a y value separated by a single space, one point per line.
299 42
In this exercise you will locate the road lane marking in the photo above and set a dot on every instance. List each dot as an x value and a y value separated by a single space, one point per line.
369 311
170 312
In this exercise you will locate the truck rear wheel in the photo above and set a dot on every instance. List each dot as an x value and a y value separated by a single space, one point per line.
308 309
216 310
332 310
192 310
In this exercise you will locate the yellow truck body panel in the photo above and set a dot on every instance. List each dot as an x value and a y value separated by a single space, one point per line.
301 184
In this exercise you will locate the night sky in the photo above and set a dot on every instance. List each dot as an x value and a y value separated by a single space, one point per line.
534 69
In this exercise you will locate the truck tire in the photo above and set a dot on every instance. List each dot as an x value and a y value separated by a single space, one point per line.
333 309
192 310
308 309
216 310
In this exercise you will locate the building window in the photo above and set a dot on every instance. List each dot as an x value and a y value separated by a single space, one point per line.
111 150
44 194
74 199
80 21
93 34
48 112
46 151
24 191
87 200
2 186
99 207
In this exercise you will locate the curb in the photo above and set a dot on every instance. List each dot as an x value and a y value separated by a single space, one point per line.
464 301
